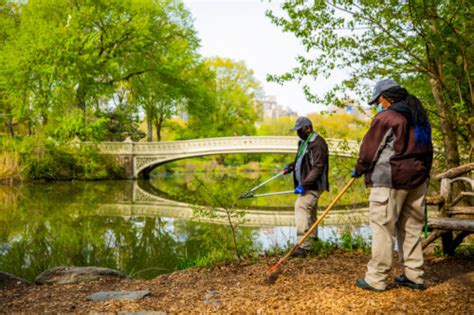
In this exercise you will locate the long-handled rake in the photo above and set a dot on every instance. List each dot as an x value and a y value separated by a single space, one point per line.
272 273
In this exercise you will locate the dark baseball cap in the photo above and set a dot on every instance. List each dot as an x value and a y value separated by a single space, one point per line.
302 122
380 87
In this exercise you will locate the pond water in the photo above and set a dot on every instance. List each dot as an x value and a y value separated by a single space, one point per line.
143 228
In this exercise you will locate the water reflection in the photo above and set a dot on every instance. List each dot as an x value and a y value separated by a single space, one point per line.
141 228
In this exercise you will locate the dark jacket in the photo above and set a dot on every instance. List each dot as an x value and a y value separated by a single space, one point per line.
315 166
389 156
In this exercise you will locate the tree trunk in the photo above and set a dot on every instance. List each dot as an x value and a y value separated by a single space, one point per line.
447 123
30 128
44 118
440 94
81 103
158 126
11 131
149 122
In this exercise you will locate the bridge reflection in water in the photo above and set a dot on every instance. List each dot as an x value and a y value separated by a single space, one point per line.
147 201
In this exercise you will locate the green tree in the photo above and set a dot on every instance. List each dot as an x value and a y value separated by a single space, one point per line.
9 24
337 126
76 56
425 44
234 91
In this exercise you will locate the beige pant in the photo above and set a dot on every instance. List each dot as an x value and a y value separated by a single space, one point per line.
396 213
305 216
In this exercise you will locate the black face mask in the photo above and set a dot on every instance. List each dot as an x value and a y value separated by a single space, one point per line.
302 134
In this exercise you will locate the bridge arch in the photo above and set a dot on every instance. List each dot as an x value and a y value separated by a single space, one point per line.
152 163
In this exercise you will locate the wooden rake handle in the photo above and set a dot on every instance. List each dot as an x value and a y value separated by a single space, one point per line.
313 227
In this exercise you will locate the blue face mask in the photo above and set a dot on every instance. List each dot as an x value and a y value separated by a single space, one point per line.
379 108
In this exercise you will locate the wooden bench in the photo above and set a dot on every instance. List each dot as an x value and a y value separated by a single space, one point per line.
455 222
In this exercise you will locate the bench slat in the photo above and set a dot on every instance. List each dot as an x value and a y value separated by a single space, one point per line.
452 224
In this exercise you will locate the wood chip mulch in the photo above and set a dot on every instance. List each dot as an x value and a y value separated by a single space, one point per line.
313 284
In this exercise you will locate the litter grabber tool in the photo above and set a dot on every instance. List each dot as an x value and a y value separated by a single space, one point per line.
272 274
250 194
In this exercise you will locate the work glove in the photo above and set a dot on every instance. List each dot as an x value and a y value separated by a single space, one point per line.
288 169
355 174
299 190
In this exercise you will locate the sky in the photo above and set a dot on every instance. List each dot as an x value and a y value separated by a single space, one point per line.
239 30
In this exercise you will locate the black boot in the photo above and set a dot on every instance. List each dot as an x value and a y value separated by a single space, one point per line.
361 283
404 281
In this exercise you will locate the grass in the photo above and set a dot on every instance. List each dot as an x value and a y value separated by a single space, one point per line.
10 168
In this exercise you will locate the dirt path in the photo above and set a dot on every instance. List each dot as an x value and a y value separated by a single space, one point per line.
315 284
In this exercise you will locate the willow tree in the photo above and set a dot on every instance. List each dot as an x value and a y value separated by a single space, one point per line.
426 45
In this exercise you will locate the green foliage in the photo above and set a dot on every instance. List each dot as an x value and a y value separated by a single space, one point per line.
47 159
216 246
424 45
347 241
322 248
278 250
220 195
465 250
81 58
350 242
234 89
109 64
337 126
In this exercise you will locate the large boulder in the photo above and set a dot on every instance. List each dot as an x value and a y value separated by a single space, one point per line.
70 275
7 279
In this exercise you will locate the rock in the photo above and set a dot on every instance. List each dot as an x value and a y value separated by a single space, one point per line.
209 295
7 279
118 295
70 275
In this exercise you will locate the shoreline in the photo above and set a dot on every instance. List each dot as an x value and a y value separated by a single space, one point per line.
314 284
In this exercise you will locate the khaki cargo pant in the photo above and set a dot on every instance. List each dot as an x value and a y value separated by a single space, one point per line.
305 215
396 213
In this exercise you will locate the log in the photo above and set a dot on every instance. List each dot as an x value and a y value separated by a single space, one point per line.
461 196
431 238
434 200
455 172
460 210
451 224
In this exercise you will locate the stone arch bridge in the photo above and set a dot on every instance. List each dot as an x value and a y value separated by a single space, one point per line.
140 158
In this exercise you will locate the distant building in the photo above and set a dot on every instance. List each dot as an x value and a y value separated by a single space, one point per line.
269 108
351 108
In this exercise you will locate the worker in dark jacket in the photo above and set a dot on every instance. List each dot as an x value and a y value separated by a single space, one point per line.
310 176
395 157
